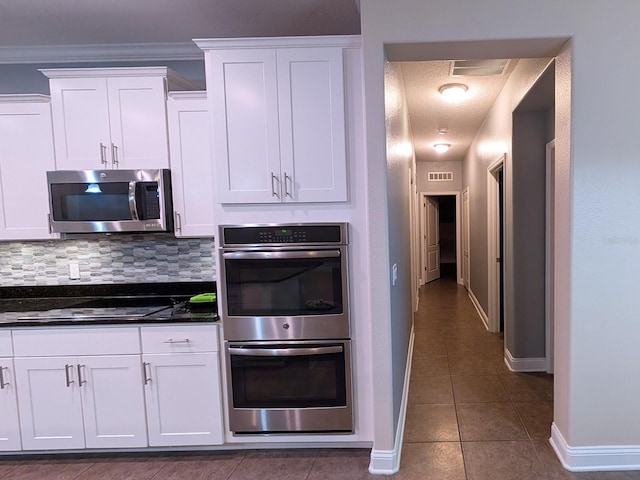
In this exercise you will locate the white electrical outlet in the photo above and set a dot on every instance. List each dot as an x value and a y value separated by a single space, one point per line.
74 271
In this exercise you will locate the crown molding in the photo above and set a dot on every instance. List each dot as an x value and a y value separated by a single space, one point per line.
132 52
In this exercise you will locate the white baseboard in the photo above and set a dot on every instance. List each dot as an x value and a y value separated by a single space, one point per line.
594 458
387 462
535 364
476 303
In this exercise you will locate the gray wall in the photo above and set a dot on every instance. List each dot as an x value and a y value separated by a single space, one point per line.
23 79
399 170
525 328
424 185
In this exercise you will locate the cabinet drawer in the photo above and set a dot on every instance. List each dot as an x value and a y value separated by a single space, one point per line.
76 341
180 339
6 350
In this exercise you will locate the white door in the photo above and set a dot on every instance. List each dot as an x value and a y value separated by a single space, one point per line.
433 239
312 124
138 122
112 401
49 403
246 142
466 262
80 123
183 399
9 425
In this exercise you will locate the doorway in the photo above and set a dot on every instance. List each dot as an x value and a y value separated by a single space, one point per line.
495 244
440 236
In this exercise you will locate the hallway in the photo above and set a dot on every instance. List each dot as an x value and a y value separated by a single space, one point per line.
468 416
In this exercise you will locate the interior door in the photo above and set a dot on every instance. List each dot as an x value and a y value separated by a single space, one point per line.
433 239
465 238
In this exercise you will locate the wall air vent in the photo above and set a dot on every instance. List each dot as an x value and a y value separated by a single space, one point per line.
440 176
478 68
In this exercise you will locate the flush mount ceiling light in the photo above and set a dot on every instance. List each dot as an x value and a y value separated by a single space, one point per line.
454 92
441 147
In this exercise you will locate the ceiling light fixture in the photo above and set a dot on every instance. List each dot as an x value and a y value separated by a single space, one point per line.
442 131
454 92
441 147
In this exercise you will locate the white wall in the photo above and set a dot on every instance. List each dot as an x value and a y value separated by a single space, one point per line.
597 360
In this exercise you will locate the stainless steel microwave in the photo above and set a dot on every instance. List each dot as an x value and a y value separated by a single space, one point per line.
110 201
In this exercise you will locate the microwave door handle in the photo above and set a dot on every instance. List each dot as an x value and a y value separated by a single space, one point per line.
133 208
282 255
284 352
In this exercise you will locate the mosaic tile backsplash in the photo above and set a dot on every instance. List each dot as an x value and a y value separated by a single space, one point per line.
113 259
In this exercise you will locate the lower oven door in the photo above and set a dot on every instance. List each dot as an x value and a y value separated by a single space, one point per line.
289 387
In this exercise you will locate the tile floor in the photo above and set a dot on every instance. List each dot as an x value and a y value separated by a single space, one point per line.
468 418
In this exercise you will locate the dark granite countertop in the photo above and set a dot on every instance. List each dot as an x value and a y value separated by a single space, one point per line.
101 304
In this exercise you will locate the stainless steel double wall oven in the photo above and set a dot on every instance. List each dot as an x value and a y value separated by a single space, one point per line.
286 325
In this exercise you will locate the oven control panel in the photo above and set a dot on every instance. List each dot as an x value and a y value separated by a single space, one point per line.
309 234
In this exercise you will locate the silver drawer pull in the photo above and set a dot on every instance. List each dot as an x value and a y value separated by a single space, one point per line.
80 380
68 371
172 341
3 384
146 366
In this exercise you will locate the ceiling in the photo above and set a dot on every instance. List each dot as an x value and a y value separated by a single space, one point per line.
33 31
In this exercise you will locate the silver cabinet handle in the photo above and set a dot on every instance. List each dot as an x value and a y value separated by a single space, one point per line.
114 154
274 179
3 384
178 221
103 156
172 341
287 254
147 378
286 189
68 371
284 352
80 380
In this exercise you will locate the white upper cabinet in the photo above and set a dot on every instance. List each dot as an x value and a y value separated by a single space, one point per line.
26 153
192 174
278 110
107 118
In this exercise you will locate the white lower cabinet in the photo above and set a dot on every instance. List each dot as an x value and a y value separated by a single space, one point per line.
69 401
182 382
9 420
78 402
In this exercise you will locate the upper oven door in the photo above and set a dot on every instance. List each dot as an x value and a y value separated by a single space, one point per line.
280 293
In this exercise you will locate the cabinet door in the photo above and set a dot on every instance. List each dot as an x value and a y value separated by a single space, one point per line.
80 123
9 426
138 122
312 124
26 153
243 89
191 165
183 399
112 401
49 403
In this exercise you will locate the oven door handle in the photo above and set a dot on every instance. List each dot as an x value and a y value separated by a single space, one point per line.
286 255
284 352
